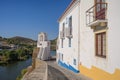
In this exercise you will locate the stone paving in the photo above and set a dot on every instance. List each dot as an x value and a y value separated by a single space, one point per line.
39 73
56 72
50 70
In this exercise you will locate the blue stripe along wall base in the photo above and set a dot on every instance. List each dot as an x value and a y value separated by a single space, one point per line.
68 66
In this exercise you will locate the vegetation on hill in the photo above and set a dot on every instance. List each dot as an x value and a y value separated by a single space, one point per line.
0 38
21 49
20 40
53 44
8 56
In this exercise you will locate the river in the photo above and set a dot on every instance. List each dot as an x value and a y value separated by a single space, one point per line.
11 71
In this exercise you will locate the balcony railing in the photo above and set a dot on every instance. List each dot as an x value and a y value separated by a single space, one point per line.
62 34
69 32
96 13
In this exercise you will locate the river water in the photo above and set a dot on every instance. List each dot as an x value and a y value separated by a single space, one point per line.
11 71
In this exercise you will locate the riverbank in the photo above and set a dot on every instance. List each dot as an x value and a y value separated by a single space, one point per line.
11 71
5 63
11 56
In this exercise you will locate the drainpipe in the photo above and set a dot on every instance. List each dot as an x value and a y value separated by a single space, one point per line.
78 32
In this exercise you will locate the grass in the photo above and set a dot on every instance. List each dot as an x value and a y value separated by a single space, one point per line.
21 74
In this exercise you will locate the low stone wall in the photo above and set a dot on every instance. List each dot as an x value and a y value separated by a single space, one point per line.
34 56
38 70
39 73
29 69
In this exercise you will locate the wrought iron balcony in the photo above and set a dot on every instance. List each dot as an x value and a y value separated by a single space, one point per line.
97 15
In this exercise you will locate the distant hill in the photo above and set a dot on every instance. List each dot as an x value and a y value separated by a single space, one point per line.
20 40
23 40
17 40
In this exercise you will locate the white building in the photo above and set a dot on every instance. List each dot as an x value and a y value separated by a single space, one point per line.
94 40
44 45
99 43
67 52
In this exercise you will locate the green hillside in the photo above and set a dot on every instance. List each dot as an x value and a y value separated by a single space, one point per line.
53 44
20 40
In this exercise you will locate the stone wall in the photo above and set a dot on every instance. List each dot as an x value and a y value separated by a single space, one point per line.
38 70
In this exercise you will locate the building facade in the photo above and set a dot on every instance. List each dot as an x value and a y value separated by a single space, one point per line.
95 41
67 52
99 50
44 47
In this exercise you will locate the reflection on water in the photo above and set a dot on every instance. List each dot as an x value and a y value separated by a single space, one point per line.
11 71
53 53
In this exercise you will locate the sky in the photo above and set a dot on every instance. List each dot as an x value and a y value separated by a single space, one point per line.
27 18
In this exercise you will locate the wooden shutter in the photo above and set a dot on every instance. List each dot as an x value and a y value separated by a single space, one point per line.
101 44
100 9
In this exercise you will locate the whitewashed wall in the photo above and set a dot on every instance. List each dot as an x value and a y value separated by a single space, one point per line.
87 43
70 52
86 35
114 33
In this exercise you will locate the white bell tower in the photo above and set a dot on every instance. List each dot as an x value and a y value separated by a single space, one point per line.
44 45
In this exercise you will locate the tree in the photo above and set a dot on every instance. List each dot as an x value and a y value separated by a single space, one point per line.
11 55
0 38
21 53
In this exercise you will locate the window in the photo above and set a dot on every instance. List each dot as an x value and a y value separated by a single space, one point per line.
74 61
69 42
70 21
63 34
63 29
61 43
100 9
66 20
70 25
101 44
62 57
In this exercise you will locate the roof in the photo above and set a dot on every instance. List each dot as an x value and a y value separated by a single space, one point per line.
69 6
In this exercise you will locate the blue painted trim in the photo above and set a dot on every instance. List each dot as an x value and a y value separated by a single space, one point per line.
68 66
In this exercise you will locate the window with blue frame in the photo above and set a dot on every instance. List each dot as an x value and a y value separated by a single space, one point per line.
69 42
61 57
74 61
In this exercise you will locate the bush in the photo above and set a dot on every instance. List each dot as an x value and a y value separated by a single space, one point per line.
21 74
